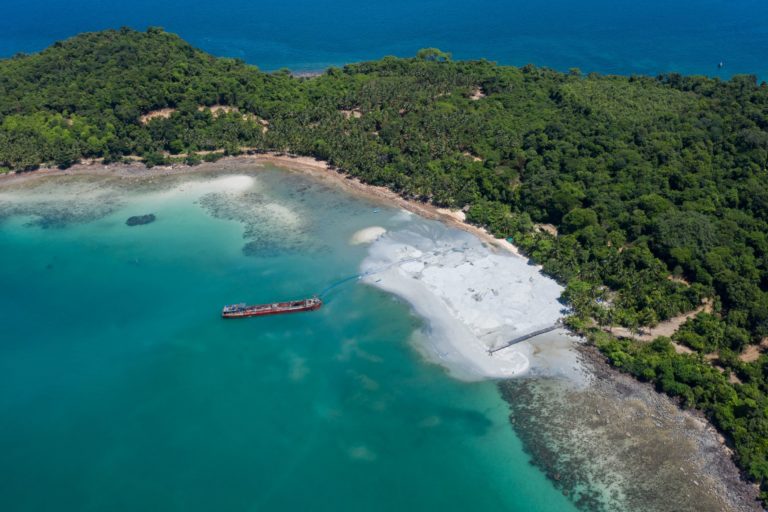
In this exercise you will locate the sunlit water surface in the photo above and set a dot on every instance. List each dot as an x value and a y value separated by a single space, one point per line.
122 389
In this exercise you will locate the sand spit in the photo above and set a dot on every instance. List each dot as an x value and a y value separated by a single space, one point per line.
472 299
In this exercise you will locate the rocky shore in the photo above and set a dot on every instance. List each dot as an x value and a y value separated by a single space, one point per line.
617 444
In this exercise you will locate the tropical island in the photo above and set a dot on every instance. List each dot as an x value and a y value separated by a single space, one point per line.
647 198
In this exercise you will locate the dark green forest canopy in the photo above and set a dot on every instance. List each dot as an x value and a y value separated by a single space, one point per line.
658 186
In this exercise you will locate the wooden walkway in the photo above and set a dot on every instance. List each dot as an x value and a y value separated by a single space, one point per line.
524 337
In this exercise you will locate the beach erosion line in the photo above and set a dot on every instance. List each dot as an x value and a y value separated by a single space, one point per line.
472 298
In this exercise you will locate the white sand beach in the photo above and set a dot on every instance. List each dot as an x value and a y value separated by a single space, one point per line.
472 298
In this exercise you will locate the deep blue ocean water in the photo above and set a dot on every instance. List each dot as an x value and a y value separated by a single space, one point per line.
609 36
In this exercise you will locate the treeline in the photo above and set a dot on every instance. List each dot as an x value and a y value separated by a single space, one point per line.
658 187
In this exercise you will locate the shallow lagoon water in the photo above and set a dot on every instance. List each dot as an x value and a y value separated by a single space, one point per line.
122 389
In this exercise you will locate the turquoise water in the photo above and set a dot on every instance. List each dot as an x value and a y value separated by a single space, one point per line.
122 389
611 36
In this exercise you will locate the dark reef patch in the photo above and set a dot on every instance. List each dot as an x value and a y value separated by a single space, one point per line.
140 220
270 229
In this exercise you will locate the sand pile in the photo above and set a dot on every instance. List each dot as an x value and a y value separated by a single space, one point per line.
472 298
367 235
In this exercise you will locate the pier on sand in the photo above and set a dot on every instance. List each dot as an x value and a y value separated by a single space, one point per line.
524 337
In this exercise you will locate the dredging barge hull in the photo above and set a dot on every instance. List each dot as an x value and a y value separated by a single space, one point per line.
275 308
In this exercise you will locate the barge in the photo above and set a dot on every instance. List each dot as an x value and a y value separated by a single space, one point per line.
275 308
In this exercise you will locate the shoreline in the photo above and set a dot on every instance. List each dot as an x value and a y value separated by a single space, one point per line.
679 460
321 170
308 165
474 291
475 295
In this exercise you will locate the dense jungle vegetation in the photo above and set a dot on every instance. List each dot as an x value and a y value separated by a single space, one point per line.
658 187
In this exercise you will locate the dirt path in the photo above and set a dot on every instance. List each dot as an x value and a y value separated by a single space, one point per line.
666 328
